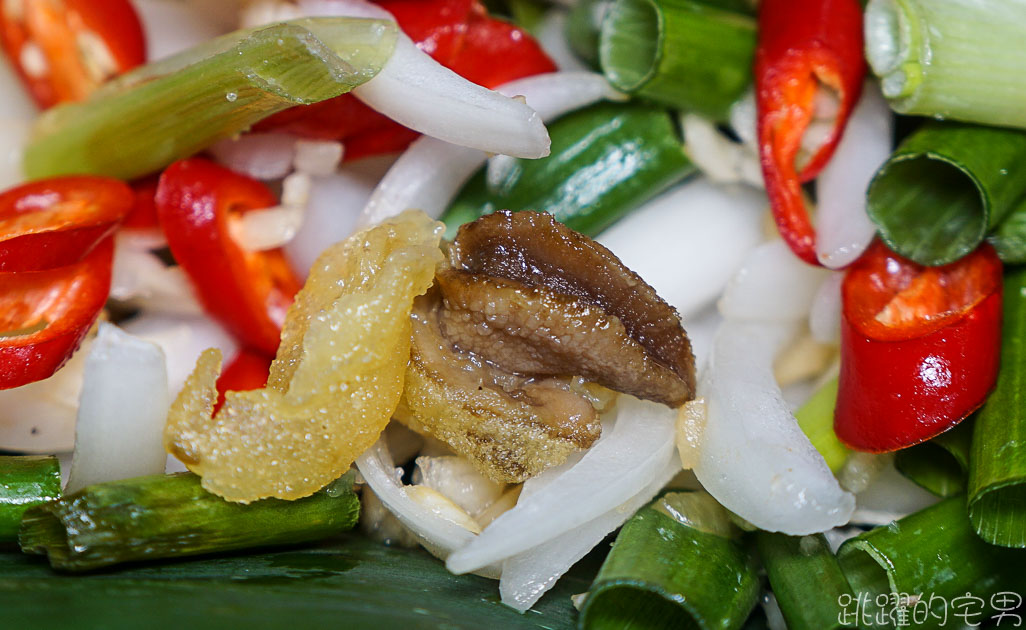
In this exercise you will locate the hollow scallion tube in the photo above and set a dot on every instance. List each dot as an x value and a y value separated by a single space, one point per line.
165 516
916 570
941 464
806 580
946 187
1009 238
606 160
675 564
172 109
680 53
25 482
816 420
997 466
957 59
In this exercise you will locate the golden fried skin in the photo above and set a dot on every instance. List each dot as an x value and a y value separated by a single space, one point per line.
336 380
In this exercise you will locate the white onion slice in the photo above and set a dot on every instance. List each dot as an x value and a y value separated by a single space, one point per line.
701 328
142 280
754 458
825 313
119 434
889 497
15 103
688 242
171 26
15 133
718 157
527 576
439 536
418 92
844 229
610 473
318 157
773 285
40 417
259 155
430 173
182 338
552 38
332 210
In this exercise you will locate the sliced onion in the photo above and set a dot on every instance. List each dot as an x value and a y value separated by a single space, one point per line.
182 338
15 133
119 434
259 155
142 280
613 471
332 211
701 328
15 103
689 241
318 157
551 36
772 286
171 26
718 157
527 576
268 228
438 535
430 173
891 496
825 313
40 417
844 229
754 458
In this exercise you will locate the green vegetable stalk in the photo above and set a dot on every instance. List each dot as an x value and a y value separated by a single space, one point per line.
172 109
940 465
684 54
816 419
997 467
24 482
946 187
675 564
606 160
166 516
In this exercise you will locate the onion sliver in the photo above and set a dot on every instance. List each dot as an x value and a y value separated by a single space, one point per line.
551 36
844 229
121 414
171 27
688 242
773 285
430 173
825 313
527 576
142 280
613 471
889 497
754 458
416 91
258 155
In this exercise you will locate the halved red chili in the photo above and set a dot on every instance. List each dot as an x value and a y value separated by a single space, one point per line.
247 292
920 346
64 49
44 315
55 222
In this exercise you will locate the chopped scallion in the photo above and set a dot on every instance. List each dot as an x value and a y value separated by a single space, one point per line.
24 482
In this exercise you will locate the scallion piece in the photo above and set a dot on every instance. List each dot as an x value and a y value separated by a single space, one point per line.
946 187
1009 239
24 482
915 568
958 59
941 464
816 419
675 564
166 516
806 580
174 108
680 53
606 160
997 467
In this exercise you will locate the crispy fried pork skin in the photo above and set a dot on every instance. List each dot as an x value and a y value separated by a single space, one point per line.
511 426
594 300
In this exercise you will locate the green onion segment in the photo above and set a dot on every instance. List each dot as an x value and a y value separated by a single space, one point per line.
24 482
946 187
957 59
816 420
606 160
663 573
170 516
997 470
806 580
940 465
171 109
680 53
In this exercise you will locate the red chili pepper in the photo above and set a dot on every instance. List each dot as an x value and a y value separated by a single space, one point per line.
458 34
920 346
248 292
247 370
56 222
45 315
143 215
802 44
64 49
